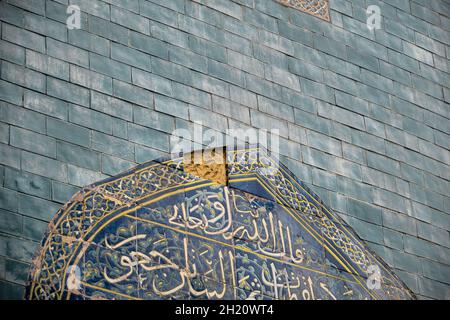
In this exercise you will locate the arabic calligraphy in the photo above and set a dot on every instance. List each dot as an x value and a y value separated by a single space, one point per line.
255 255
159 232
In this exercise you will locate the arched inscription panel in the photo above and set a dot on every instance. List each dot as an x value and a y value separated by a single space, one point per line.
161 232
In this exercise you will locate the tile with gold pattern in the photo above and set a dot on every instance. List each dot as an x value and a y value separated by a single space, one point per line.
245 228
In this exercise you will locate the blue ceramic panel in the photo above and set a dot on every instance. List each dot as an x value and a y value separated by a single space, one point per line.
161 232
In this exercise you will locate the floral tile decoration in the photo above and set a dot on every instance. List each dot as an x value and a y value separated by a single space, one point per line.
164 230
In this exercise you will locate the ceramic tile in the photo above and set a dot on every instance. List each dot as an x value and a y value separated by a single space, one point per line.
156 232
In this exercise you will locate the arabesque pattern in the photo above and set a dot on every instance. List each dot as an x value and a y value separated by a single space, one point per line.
318 8
159 232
